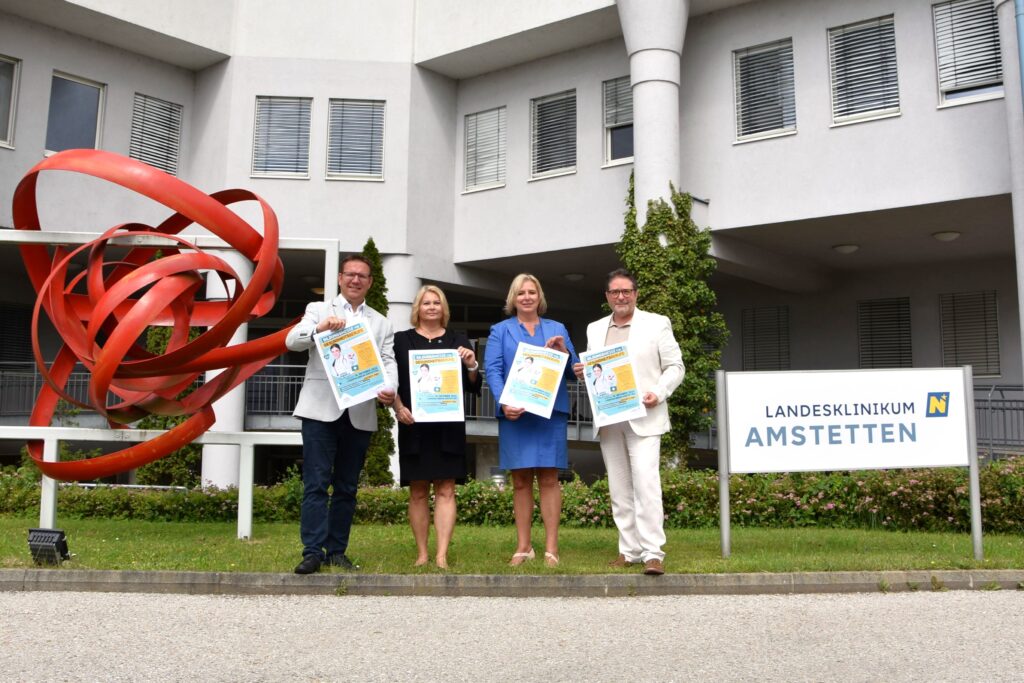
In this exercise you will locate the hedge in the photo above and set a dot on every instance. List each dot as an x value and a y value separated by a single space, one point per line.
923 500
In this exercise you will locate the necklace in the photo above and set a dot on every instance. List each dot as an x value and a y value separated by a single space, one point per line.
430 336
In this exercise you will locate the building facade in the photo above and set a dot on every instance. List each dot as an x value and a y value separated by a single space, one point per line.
857 162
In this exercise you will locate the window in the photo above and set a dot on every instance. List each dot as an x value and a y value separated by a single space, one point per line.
883 333
862 64
280 144
10 68
765 334
16 335
485 149
355 139
74 118
970 332
967 49
156 132
553 134
618 120
765 99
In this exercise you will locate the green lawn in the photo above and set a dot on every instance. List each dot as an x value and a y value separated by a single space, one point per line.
125 544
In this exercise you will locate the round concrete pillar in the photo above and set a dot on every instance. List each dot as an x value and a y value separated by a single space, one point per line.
654 32
1015 139
220 462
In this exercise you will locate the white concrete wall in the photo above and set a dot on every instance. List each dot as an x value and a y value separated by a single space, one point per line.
446 26
560 212
68 201
924 155
207 23
316 207
345 30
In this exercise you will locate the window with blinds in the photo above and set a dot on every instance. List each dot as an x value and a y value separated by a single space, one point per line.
281 139
765 338
967 49
862 65
553 134
618 120
355 140
485 149
765 90
10 69
970 332
156 132
883 333
15 334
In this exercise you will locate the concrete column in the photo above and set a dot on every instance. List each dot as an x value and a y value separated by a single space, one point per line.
221 461
654 31
402 287
1015 139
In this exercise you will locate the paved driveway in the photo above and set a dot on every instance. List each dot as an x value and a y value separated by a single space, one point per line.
950 636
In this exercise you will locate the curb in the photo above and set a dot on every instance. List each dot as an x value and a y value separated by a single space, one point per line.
592 585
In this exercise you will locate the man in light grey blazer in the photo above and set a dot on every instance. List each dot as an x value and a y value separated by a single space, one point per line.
334 441
632 450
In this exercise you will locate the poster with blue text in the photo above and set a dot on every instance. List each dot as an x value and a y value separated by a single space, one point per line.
435 385
352 363
534 380
611 385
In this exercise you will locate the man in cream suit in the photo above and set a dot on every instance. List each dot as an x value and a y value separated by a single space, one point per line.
334 441
632 450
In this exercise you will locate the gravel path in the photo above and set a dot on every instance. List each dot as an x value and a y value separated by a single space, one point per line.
953 636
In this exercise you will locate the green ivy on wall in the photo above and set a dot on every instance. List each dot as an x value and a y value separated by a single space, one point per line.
670 258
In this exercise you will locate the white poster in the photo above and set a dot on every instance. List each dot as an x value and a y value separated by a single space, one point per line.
846 420
435 386
533 383
352 363
611 385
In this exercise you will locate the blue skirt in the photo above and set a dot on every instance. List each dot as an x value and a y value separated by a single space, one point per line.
532 441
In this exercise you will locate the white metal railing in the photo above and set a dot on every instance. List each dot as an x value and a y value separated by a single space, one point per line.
274 390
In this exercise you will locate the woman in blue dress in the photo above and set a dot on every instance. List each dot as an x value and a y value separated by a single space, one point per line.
529 445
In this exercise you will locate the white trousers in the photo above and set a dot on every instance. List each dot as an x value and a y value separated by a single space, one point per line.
634 481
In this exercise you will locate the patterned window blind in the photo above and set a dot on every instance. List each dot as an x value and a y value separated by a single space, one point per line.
883 333
765 90
281 141
862 64
156 132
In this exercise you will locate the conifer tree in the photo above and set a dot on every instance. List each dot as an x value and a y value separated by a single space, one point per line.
670 259
377 471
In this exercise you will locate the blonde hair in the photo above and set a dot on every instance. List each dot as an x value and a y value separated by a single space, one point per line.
446 313
513 290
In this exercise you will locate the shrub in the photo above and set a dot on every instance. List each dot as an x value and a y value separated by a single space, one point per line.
904 500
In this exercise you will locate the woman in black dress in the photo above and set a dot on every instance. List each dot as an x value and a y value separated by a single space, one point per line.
431 451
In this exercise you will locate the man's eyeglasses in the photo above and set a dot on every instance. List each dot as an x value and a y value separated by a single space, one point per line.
356 276
615 293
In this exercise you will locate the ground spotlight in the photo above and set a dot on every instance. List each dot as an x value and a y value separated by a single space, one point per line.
48 546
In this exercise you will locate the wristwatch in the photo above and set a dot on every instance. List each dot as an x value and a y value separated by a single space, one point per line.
476 366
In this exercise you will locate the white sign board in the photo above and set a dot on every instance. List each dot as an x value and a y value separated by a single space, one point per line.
846 420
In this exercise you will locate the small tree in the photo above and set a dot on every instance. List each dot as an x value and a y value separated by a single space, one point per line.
183 466
377 471
670 259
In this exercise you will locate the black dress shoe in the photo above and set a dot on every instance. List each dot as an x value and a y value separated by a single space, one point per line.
341 560
310 565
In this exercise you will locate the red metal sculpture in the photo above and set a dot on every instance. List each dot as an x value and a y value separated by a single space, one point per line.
104 310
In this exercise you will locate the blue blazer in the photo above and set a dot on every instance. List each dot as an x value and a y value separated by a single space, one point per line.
501 351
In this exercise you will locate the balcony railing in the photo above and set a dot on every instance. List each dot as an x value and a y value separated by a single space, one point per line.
999 409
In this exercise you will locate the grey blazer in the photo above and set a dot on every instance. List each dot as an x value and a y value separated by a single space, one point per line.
316 400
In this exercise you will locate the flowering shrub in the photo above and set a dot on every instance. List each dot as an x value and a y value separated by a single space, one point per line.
922 500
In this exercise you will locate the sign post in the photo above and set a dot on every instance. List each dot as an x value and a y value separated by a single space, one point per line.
846 420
